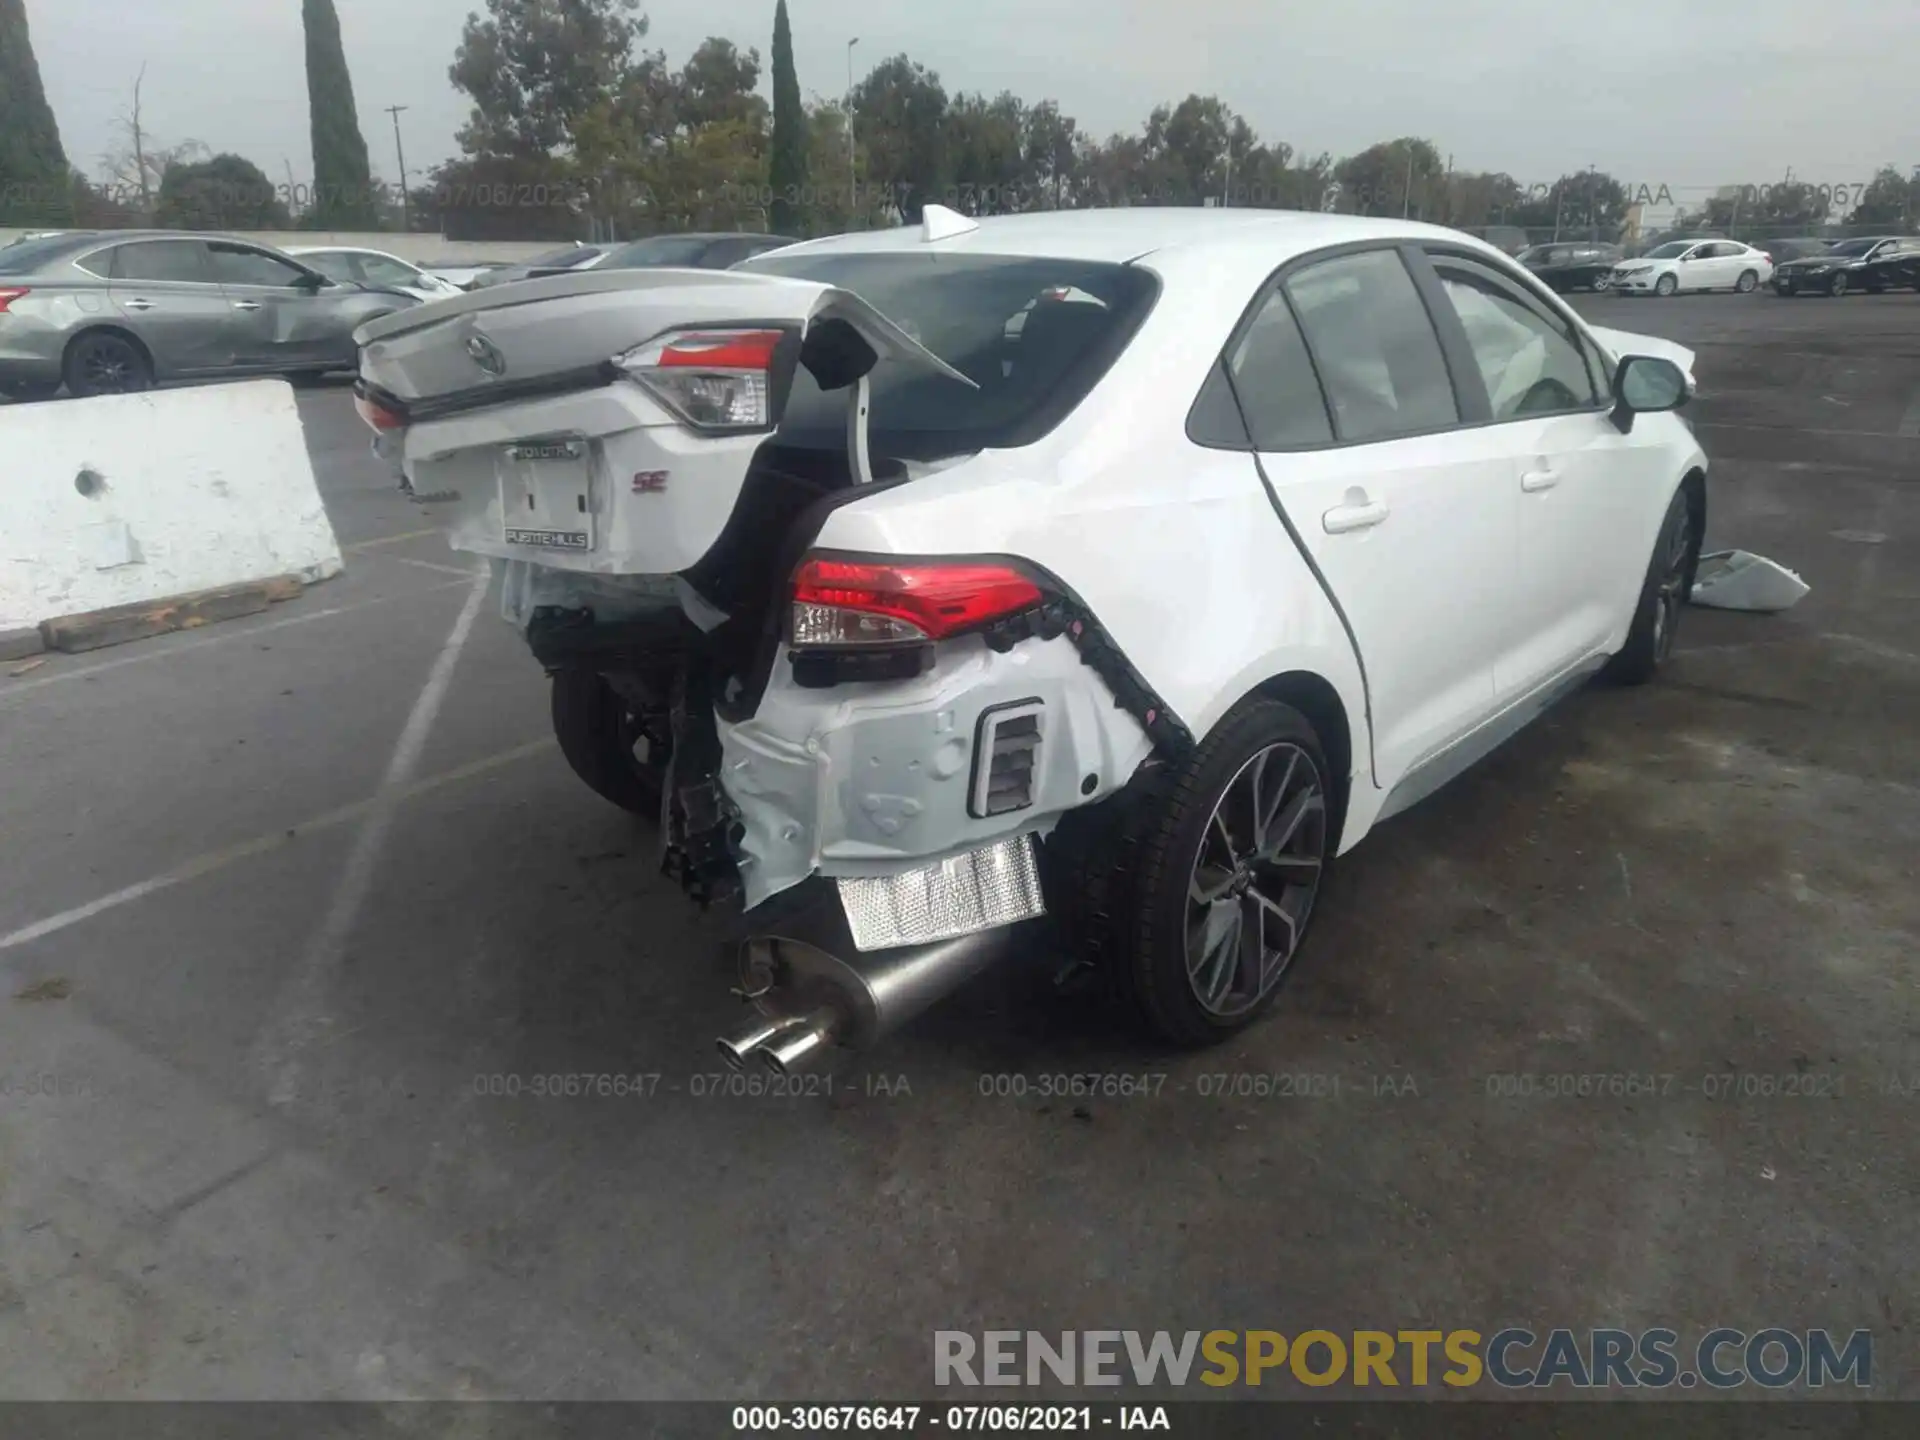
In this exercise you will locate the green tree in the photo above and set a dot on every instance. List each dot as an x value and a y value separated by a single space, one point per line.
900 113
1053 154
35 179
986 156
342 182
227 192
1390 178
1587 202
535 69
787 168
1891 201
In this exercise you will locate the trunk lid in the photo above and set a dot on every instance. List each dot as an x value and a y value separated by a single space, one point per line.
525 440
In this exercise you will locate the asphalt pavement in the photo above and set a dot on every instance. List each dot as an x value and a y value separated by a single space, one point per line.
299 912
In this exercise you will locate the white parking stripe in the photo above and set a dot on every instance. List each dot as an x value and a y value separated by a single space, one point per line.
1910 422
297 1017
223 637
221 859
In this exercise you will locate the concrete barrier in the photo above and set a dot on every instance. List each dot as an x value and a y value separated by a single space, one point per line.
133 514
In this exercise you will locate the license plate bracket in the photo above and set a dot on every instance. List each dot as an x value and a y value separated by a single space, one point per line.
546 494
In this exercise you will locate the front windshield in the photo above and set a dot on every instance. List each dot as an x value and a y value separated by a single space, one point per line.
1672 250
659 250
572 255
963 308
1854 248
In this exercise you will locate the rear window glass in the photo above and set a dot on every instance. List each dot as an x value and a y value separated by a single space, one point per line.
660 250
24 257
332 264
1034 333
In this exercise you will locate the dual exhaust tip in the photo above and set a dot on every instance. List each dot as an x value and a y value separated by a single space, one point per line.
782 1045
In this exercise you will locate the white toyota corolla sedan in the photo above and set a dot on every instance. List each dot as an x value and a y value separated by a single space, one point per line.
1074 583
1694 265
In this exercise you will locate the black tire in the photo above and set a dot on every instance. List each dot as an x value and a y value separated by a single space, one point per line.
599 734
1749 280
1143 883
28 391
1665 286
105 362
1663 598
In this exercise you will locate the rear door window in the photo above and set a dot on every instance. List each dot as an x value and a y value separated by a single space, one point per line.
1274 380
1374 347
239 265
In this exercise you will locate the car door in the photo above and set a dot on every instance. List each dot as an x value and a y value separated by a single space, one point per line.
1409 516
1694 270
285 318
383 272
1585 491
166 293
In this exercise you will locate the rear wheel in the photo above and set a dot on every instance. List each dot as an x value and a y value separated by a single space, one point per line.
1663 596
104 362
1209 884
620 753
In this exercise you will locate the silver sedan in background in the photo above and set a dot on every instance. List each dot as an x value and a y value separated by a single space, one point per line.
119 310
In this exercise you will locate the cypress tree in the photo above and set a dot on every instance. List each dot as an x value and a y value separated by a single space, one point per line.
787 173
342 182
35 181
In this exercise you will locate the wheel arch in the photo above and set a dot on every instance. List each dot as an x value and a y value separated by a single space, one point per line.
1315 697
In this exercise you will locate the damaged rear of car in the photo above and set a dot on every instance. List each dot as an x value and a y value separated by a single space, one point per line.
861 749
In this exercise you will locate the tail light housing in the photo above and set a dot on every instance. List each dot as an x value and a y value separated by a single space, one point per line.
717 381
855 602
379 416
10 294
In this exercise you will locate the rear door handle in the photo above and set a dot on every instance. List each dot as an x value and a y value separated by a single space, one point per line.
1544 478
139 304
246 304
1355 515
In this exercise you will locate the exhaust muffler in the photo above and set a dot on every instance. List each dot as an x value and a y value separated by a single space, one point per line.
815 991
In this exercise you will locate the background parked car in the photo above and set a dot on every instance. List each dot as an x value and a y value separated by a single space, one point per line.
1572 265
1796 248
459 273
1694 265
114 311
694 252
374 269
1872 263
554 262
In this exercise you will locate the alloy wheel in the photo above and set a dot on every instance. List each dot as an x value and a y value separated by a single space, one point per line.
1672 593
1254 879
108 369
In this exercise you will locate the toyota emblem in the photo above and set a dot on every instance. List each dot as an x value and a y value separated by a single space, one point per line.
486 355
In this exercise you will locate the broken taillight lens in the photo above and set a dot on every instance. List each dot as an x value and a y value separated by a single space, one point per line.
853 602
9 295
377 415
712 379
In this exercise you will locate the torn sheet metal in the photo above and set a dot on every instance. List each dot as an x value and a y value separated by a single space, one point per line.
1739 580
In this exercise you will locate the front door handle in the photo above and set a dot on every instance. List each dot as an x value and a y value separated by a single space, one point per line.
1356 514
246 304
1544 478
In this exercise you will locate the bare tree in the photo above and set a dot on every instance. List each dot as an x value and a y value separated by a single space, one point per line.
135 166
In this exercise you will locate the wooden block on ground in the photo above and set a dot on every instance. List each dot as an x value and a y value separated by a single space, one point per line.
19 644
121 623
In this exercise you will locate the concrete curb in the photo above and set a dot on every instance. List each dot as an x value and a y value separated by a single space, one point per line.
20 644
96 629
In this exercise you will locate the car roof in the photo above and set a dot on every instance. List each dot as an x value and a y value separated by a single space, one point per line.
1119 236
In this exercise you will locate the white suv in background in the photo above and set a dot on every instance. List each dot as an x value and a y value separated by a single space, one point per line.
1694 265
1122 567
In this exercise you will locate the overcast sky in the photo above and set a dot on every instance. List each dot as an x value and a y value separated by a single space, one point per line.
1653 91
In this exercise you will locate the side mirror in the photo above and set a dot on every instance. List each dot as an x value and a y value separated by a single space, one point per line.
312 281
1646 385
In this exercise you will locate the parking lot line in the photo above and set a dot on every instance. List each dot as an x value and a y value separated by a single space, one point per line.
202 642
221 859
294 1018
390 539
1910 421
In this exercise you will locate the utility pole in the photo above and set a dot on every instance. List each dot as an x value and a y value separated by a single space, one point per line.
1406 193
853 151
1593 220
1226 194
406 203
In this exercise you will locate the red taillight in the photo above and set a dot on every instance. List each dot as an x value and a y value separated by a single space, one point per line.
716 380
7 297
376 414
874 602
722 350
